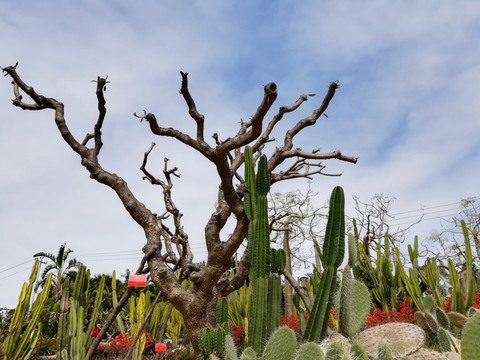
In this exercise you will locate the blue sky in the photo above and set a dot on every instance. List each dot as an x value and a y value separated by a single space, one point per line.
408 106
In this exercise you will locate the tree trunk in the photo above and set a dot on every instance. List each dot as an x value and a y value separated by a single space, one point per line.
200 313
288 265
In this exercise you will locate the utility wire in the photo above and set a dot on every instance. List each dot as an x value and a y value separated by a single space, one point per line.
433 207
13 267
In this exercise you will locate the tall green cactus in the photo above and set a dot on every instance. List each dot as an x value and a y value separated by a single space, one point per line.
256 208
259 252
63 340
24 328
384 284
118 319
332 257
470 284
410 282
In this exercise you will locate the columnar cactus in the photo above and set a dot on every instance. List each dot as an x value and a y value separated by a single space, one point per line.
118 319
259 252
332 257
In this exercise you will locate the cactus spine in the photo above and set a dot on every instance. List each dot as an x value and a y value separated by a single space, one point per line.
332 257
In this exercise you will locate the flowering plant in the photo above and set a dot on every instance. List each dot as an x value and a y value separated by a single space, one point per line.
403 313
447 305
293 322
121 343
238 334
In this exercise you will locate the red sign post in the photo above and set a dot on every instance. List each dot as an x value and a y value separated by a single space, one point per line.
137 281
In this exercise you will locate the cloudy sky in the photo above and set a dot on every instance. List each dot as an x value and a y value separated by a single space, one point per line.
408 106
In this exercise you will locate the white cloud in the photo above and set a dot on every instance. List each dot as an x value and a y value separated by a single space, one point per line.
408 106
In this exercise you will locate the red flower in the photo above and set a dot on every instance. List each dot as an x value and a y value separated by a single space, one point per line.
447 305
403 313
293 322
238 334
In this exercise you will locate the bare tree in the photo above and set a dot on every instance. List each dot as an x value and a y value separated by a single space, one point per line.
305 221
374 219
168 246
296 223
449 242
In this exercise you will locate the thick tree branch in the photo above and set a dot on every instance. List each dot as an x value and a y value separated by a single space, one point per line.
300 291
255 124
201 146
283 152
178 237
283 110
192 109
226 286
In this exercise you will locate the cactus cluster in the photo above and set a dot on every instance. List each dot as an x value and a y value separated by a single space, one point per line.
213 340
437 324
282 345
24 328
72 335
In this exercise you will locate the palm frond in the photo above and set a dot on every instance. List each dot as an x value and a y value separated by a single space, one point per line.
44 254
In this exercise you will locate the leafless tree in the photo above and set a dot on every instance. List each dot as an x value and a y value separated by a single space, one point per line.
296 222
449 243
374 221
168 246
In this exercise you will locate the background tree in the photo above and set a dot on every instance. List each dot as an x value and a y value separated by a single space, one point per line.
167 247
296 224
373 220
58 266
448 242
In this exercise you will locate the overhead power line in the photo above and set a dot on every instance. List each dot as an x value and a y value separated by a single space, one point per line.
422 209
13 267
